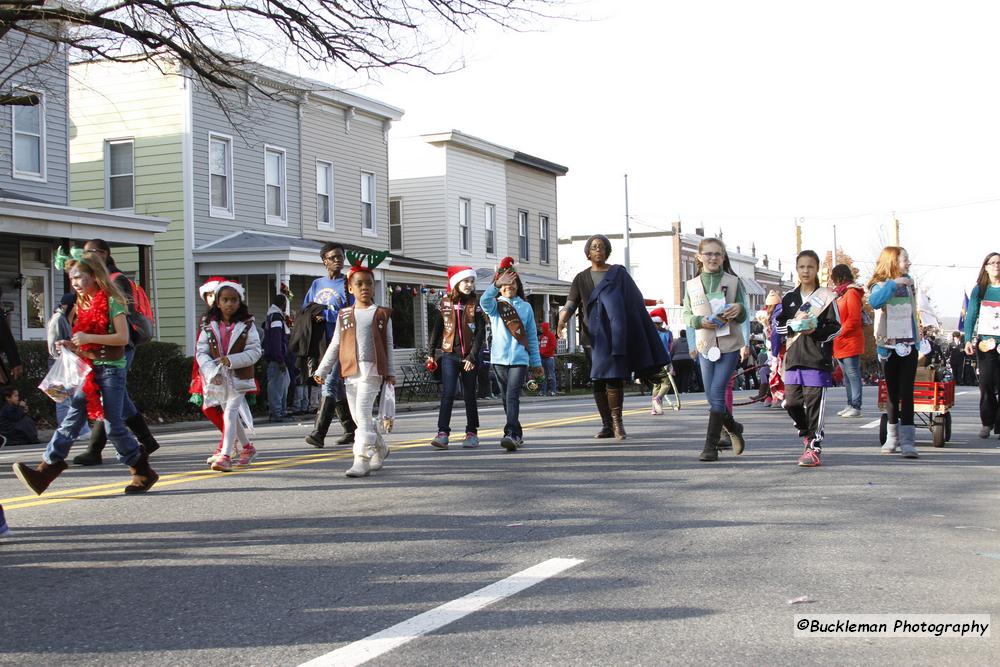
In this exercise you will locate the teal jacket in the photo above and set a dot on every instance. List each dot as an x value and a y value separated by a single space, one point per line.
505 350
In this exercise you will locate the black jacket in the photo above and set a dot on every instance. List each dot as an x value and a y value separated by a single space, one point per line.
308 338
816 349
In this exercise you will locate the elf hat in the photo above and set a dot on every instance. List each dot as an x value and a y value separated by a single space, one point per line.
230 283
506 266
659 315
457 274
209 286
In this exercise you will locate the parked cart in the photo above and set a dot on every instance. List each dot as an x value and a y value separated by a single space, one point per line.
931 404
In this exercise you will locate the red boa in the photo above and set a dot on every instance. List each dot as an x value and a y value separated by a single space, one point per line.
95 319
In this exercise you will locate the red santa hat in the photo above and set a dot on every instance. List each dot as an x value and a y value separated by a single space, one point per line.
659 315
506 265
457 274
208 287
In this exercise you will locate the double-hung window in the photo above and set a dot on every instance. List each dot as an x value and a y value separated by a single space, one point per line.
274 186
543 239
368 227
220 176
396 225
29 138
491 229
465 225
522 234
120 174
324 195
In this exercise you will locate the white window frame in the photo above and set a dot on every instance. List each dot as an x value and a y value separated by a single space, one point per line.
230 211
326 226
269 219
490 211
42 175
373 192
45 273
108 143
543 238
465 229
399 201
524 254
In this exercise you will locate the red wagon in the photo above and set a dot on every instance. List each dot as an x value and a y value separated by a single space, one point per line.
931 404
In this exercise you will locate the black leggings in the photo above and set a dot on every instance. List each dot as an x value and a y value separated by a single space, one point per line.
989 389
900 373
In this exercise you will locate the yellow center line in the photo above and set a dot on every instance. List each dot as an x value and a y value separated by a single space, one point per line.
117 488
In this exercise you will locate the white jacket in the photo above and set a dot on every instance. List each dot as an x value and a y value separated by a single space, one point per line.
248 357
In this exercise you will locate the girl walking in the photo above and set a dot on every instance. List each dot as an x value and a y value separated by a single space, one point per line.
228 348
714 308
808 322
100 334
894 297
850 344
515 345
459 336
362 349
982 333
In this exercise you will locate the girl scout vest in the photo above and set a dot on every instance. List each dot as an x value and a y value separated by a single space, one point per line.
706 339
348 352
468 324
894 321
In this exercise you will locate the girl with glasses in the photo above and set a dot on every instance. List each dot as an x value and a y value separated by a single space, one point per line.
982 333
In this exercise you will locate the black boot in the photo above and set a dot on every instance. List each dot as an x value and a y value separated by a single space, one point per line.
711 450
98 440
324 415
615 399
604 409
344 415
735 431
137 423
725 442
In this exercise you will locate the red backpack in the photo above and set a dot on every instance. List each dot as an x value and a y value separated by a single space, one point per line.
140 312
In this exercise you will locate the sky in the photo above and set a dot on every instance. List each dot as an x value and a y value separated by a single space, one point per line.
748 117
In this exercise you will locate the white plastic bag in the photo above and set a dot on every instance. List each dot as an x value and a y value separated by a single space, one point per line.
387 408
66 376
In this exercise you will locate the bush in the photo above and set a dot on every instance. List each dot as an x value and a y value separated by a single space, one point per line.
581 369
159 379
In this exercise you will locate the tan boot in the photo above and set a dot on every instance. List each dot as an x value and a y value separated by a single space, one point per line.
143 477
38 479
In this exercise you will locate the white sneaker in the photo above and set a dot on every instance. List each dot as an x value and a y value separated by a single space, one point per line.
841 412
361 467
657 406
851 413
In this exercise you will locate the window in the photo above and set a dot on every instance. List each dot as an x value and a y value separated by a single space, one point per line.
119 169
464 225
220 179
396 225
522 234
324 195
368 204
29 138
274 186
35 300
491 229
543 239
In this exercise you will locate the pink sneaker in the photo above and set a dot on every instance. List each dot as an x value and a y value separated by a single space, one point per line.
223 464
247 454
810 457
214 457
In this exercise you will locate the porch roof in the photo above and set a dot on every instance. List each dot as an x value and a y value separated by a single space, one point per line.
26 217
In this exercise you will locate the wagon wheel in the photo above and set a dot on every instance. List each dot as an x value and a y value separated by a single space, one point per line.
947 427
883 429
938 430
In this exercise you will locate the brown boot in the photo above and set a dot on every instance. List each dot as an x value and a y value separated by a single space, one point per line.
143 477
38 479
615 402
604 409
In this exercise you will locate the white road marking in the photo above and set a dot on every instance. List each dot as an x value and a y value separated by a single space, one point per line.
872 424
382 642
962 393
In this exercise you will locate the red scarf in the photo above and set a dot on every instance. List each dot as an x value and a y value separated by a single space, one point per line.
93 320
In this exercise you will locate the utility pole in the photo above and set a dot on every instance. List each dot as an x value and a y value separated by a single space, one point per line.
834 260
798 235
628 263
896 220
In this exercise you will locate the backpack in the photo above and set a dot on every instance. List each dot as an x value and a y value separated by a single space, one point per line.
140 312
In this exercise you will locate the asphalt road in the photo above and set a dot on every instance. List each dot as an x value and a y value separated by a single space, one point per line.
682 562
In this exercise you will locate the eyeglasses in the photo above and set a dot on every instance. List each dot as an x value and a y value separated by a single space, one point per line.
331 257
711 255
997 263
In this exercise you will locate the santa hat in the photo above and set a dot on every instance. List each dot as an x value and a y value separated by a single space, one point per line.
230 283
506 265
457 274
208 287
659 315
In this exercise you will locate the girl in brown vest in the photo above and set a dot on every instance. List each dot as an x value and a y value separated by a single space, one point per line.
362 342
459 335
228 347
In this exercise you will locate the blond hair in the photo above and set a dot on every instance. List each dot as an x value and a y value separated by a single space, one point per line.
887 266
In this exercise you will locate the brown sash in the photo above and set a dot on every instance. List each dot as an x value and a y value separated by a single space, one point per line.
244 373
513 322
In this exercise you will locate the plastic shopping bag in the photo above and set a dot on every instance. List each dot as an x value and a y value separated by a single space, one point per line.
65 377
387 408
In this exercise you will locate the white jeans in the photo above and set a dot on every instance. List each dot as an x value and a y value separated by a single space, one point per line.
234 428
361 395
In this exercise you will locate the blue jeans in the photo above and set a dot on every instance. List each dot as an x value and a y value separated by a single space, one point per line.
63 408
715 376
128 407
549 382
334 385
111 382
511 378
852 379
277 389
451 370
